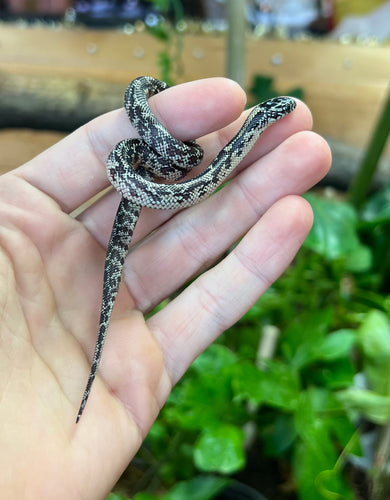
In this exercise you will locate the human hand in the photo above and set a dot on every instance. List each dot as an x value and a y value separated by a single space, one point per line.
51 267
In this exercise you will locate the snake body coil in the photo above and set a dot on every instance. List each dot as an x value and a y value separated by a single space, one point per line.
134 165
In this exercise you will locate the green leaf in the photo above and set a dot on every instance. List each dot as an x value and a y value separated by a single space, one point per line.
313 407
315 455
336 374
306 419
246 383
332 486
300 340
279 385
204 397
194 405
334 233
276 385
165 63
327 358
314 472
220 450
344 431
311 458
359 260
374 338
315 458
374 407
280 436
198 488
213 359
336 345
377 209
262 88
160 31
138 496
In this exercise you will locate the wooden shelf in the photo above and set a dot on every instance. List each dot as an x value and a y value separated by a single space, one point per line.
344 85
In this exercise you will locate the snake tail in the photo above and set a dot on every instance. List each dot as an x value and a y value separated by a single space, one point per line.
118 247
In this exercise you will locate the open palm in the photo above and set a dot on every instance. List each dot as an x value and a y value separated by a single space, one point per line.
51 267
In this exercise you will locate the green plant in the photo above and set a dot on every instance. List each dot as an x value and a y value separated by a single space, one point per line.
169 58
362 181
262 88
303 403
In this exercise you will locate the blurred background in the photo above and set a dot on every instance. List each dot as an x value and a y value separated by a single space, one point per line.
293 402
77 57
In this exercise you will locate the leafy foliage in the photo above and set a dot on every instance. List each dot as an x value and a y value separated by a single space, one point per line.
169 59
334 234
262 88
198 488
304 403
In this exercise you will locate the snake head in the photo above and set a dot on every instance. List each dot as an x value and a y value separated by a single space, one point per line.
279 106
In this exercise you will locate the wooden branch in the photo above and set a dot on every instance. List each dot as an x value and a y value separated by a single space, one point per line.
54 103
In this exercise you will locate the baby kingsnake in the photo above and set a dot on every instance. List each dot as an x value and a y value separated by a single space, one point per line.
134 165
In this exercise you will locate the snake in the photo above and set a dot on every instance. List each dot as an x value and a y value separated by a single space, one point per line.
148 172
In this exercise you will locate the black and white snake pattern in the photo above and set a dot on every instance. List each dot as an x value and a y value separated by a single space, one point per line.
134 165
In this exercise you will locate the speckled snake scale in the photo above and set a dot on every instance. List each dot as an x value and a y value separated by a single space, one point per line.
134 166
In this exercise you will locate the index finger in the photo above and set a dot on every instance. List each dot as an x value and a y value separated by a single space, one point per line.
73 170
